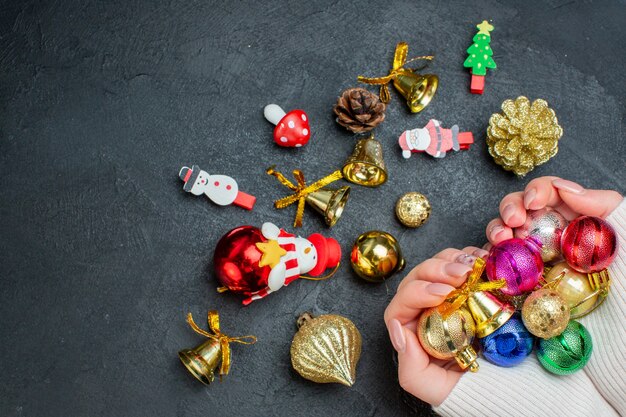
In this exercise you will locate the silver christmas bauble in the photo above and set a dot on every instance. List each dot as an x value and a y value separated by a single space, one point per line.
546 226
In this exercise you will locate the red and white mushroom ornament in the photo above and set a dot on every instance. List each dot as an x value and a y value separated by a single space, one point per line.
292 129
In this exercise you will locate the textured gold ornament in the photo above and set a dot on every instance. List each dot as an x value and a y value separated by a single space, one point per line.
413 209
376 256
545 313
450 337
524 136
326 349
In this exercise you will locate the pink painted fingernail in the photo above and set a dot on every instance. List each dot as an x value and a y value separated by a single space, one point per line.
529 197
396 334
466 259
439 289
495 231
456 269
481 253
568 186
508 212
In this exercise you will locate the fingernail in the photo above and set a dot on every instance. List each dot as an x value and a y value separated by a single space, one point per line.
508 212
568 186
529 197
495 231
456 269
396 334
439 289
481 253
466 259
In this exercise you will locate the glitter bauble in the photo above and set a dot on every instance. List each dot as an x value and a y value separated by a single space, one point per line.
450 337
546 226
413 209
518 262
545 313
589 244
326 349
236 260
509 345
567 352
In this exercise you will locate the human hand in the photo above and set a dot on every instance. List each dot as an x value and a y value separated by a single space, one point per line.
427 285
566 197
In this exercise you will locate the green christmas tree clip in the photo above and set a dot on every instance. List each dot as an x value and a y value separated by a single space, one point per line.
479 57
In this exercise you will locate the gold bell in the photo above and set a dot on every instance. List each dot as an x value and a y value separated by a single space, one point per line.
376 256
329 203
366 165
418 89
488 312
203 360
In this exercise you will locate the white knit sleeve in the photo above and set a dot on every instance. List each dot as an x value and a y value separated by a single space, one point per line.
607 325
524 390
527 389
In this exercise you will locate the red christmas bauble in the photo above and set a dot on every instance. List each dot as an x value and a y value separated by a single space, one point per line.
589 244
236 260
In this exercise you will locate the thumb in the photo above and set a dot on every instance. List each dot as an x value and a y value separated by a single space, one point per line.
599 203
418 375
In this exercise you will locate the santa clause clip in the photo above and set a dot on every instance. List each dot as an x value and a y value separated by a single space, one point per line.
257 262
434 140
220 189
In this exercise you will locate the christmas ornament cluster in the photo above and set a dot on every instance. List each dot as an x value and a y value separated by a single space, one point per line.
256 262
526 295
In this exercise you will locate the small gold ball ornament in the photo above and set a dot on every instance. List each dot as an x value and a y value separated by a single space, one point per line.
376 256
326 349
450 337
545 313
413 209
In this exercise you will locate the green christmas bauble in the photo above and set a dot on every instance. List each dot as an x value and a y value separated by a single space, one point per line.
568 352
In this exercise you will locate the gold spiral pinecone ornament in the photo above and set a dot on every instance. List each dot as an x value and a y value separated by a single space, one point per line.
524 135
359 110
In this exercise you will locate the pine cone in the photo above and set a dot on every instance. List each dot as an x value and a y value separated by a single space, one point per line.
359 110
525 136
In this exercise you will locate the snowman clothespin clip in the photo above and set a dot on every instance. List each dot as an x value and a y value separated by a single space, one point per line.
434 140
220 189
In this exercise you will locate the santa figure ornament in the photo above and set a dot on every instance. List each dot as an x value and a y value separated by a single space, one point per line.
434 140
220 189
257 262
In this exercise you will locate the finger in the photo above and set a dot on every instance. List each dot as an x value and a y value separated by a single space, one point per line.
466 256
497 231
409 301
487 246
437 270
598 203
512 210
478 252
540 193
422 378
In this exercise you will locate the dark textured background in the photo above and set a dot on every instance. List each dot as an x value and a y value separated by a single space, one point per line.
103 254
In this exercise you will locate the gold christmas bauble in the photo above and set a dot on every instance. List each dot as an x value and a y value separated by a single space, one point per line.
545 313
376 256
574 287
326 349
413 209
450 337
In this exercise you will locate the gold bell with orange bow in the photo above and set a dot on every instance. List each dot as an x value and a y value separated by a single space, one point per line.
329 202
418 89
203 360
